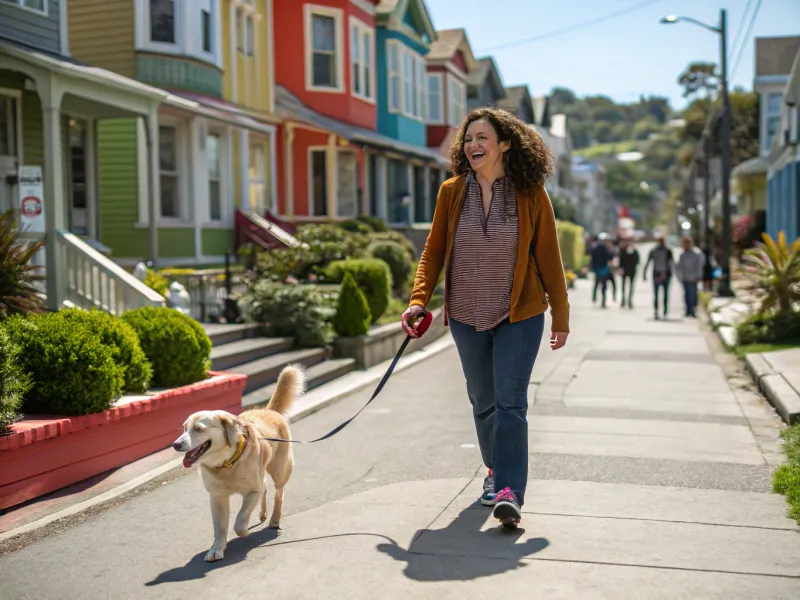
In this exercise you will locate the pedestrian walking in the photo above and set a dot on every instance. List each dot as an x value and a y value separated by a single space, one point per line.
663 267
628 264
601 257
690 271
494 232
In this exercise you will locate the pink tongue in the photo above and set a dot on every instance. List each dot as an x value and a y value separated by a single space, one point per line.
187 462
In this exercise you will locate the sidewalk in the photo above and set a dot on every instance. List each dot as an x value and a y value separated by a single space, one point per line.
650 478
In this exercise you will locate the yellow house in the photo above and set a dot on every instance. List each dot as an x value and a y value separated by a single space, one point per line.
215 133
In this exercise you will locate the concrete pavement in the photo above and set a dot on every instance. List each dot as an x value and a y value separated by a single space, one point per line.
651 461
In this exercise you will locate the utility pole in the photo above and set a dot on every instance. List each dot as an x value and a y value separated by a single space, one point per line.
725 289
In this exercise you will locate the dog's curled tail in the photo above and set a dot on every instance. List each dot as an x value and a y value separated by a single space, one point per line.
291 385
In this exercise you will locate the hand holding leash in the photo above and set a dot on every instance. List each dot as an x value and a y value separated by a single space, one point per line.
415 321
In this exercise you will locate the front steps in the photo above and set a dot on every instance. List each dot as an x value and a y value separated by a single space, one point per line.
236 349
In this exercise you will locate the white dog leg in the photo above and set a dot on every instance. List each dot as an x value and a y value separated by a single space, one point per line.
220 516
262 516
277 510
249 503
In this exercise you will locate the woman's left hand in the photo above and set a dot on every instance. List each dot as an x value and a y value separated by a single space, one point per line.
557 340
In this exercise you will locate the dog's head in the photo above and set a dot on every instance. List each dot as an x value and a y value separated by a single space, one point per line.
208 435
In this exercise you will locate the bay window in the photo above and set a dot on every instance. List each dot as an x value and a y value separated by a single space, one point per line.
162 21
182 27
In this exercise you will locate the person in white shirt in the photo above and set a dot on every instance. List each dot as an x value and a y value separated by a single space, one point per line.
690 272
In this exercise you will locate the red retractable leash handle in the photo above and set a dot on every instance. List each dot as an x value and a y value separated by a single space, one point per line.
424 324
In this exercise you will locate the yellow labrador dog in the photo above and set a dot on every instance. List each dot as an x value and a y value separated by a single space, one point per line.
234 459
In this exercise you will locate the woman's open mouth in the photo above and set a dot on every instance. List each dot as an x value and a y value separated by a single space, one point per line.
192 455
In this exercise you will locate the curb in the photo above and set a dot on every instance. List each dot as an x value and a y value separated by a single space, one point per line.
314 401
775 387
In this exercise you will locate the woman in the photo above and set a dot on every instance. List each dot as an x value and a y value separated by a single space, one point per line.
494 231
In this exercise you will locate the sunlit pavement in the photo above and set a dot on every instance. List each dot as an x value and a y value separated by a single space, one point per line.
650 478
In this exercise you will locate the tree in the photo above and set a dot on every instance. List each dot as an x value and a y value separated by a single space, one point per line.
698 77
624 181
564 209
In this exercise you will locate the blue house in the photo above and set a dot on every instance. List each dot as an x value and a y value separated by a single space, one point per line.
404 33
783 163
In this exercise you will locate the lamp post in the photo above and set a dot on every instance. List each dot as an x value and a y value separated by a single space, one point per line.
724 289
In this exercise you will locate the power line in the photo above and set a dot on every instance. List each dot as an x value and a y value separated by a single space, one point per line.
739 30
744 40
570 28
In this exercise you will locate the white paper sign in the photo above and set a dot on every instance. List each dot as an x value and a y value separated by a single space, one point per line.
31 199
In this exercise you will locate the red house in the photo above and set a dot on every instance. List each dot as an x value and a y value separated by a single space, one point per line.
326 98
449 64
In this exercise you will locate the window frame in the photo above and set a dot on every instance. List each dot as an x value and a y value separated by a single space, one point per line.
363 36
257 143
23 5
439 118
395 77
220 178
179 154
337 14
412 82
456 99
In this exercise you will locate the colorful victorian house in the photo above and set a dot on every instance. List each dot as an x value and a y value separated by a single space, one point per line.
213 139
518 100
52 112
450 63
485 84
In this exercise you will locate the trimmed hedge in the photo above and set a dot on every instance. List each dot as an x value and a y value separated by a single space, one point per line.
123 341
397 238
14 382
72 371
374 223
176 345
354 226
571 244
400 265
373 278
352 316
769 329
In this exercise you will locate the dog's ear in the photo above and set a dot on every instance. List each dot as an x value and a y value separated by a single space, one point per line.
232 428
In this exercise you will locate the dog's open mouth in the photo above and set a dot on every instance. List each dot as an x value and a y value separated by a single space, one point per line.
192 455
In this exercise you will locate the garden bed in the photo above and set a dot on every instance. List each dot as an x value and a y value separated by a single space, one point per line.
45 453
382 342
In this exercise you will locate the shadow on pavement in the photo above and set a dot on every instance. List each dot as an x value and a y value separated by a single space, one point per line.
469 553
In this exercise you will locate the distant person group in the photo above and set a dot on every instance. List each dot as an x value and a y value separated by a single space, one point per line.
610 258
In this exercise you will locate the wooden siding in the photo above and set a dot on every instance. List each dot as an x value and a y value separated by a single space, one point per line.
179 73
33 29
215 242
101 32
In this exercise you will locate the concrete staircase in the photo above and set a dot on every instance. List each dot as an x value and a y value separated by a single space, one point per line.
237 349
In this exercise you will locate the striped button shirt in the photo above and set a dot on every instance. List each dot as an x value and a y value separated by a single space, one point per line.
484 256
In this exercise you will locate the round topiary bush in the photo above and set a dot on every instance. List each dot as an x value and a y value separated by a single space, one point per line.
356 226
397 258
176 345
373 278
352 316
14 382
374 223
123 341
72 371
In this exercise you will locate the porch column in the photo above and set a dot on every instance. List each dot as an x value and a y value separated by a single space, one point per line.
411 192
382 199
244 159
54 187
288 160
154 182
331 176
366 197
273 173
426 174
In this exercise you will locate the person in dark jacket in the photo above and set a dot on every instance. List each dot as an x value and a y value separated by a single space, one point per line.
663 268
628 264
601 266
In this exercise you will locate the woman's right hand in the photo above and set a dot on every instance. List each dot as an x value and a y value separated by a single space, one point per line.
411 315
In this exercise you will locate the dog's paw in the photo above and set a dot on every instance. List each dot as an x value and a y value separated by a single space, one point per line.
274 525
241 530
215 555
262 517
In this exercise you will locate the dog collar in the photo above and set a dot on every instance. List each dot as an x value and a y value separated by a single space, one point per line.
236 455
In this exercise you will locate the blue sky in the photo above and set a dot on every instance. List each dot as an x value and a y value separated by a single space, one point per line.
621 58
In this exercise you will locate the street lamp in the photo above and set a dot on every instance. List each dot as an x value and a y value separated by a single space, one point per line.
725 133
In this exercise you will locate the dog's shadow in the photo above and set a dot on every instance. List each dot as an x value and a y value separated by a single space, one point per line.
236 552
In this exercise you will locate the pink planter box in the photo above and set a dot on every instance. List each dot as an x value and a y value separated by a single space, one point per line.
46 453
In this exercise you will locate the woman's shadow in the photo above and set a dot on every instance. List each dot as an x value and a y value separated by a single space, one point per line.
462 552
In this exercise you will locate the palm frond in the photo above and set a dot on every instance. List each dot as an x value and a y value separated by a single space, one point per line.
18 275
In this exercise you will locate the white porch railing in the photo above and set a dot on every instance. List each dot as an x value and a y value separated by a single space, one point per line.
94 281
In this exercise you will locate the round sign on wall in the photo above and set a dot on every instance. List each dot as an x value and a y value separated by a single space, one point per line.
31 206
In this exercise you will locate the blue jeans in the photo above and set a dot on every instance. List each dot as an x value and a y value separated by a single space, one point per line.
664 285
690 297
497 365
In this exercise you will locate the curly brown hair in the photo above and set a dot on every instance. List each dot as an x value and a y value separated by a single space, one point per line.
528 161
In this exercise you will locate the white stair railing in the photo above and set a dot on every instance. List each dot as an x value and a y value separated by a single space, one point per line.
283 236
95 281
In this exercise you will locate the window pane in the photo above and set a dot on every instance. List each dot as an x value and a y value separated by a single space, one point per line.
6 127
354 45
169 196
324 70
394 60
248 36
214 202
34 4
367 61
774 103
257 166
395 95
323 32
320 183
357 79
162 21
212 156
367 84
206 17
166 146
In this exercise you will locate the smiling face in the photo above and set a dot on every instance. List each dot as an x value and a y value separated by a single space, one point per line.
483 149
206 435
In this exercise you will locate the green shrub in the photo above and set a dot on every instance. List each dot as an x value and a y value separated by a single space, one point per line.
571 244
72 371
397 238
399 264
374 223
122 340
373 278
157 282
352 316
355 226
303 312
769 329
176 345
14 382
786 479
